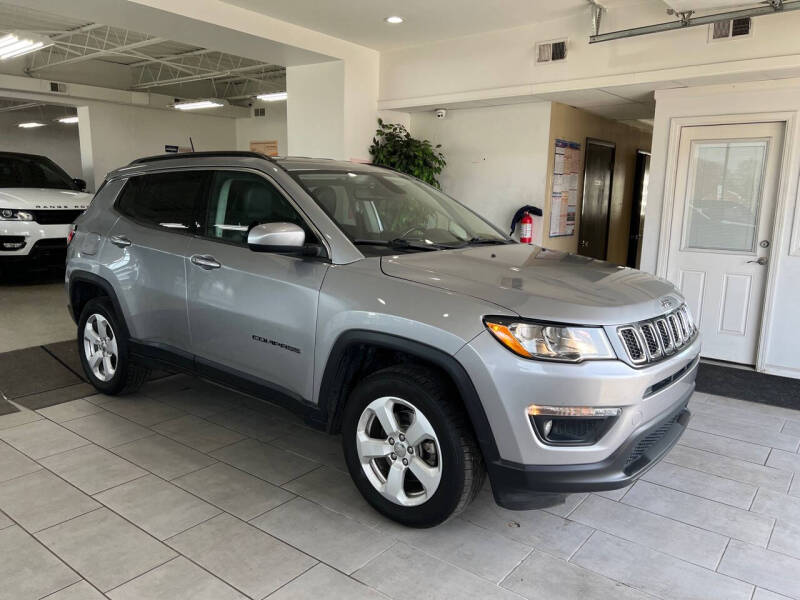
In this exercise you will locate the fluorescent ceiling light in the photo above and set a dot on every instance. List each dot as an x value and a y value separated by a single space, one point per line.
276 97
197 104
30 125
394 20
68 120
22 42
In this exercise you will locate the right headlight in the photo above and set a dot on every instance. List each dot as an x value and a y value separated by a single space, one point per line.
12 214
548 341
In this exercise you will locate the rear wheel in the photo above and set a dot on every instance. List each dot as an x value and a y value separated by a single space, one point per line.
103 348
409 446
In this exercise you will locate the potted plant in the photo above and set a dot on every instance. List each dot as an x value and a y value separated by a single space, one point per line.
394 147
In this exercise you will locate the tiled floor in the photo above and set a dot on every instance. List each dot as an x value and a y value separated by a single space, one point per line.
189 491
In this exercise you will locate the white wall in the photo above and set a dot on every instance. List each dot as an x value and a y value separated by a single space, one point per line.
261 129
315 110
496 157
749 102
57 141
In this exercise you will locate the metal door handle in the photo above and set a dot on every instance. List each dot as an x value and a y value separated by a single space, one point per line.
205 262
759 261
120 241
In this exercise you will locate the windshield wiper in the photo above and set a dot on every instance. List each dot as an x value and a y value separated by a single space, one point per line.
399 244
479 241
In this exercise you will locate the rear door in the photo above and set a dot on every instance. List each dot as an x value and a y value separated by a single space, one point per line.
146 250
597 178
252 312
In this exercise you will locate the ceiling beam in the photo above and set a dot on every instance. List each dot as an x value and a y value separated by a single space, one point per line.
101 52
202 76
172 57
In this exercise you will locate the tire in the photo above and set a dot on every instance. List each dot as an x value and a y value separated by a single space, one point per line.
439 445
101 331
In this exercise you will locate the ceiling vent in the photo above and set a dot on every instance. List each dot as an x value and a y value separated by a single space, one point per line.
260 112
58 88
551 51
730 29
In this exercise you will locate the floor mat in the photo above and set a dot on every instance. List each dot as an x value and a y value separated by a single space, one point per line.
32 371
6 408
56 396
67 354
748 385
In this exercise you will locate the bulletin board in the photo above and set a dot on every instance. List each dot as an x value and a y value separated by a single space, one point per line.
564 196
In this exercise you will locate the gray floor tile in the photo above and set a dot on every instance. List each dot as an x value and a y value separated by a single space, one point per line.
178 579
314 445
746 430
732 468
536 528
99 399
5 521
163 456
762 594
252 424
265 461
786 538
41 499
739 414
28 569
726 520
705 485
570 503
19 418
778 505
466 545
203 402
198 433
143 410
656 573
795 489
683 541
327 536
785 461
14 463
234 491
41 438
791 428
769 570
104 548
92 468
405 573
725 446
158 507
78 591
323 582
748 408
69 410
245 557
107 429
335 490
544 577
166 385
616 494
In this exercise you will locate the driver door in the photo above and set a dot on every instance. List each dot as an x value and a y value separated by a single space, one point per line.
252 312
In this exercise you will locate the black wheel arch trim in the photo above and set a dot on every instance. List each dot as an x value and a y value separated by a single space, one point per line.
103 284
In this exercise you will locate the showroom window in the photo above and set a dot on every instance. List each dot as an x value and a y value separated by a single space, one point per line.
239 200
167 200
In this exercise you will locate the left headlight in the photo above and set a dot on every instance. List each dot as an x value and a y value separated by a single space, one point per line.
12 214
547 341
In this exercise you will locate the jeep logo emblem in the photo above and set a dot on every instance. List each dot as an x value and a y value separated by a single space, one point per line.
668 302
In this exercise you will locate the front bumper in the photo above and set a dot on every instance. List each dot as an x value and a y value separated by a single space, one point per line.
39 240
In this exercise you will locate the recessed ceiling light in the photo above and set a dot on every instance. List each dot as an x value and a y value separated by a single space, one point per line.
30 125
276 97
395 20
68 120
197 104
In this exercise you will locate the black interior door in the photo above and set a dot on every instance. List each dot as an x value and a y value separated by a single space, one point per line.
641 177
597 177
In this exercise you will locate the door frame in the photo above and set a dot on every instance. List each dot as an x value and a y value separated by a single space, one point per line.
636 206
613 146
788 119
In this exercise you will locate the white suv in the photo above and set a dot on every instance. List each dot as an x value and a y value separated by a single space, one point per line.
38 201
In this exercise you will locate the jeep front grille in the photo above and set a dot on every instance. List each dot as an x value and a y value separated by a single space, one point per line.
653 340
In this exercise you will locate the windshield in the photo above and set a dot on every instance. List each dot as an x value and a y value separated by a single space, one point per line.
32 172
390 208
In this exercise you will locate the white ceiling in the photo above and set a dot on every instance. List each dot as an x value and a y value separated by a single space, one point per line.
362 21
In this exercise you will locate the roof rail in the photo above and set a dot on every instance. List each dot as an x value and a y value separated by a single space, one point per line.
218 153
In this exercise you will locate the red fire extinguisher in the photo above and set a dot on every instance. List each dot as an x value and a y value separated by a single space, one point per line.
526 228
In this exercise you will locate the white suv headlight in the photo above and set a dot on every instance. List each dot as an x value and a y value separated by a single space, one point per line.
546 341
12 214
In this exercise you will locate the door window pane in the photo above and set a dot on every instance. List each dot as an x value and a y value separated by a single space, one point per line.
167 200
238 201
724 195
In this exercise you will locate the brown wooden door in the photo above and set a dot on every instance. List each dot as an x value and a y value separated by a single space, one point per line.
270 147
597 176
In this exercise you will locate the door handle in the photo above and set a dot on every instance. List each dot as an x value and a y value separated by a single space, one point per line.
205 262
120 241
759 261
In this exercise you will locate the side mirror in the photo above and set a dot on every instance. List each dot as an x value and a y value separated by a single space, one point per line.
286 238
80 183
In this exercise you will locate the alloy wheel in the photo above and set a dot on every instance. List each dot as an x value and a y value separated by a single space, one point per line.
100 347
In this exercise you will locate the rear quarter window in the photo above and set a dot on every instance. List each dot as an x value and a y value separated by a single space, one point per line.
164 200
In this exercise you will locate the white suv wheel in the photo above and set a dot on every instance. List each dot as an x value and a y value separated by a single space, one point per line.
100 347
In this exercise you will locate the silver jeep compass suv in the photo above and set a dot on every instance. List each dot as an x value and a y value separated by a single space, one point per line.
381 308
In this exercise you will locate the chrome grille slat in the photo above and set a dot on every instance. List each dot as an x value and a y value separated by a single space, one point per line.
655 339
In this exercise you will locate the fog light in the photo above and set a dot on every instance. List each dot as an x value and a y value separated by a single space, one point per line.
572 425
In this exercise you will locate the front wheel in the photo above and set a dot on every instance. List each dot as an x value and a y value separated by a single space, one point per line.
409 447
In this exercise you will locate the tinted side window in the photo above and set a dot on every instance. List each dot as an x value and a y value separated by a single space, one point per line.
167 200
240 200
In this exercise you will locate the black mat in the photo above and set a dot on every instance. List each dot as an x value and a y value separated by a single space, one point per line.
56 396
67 354
32 371
6 408
748 385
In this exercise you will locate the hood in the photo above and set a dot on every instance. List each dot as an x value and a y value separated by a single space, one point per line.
542 284
43 199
